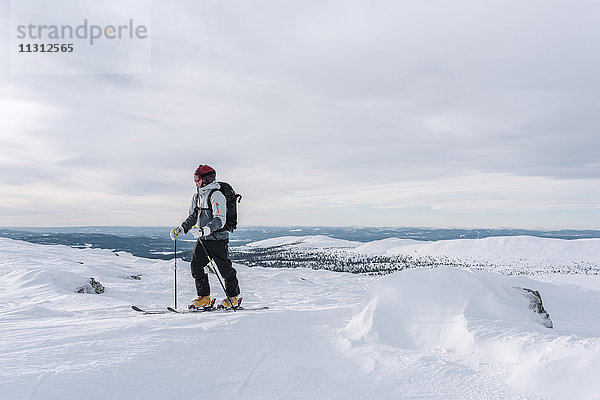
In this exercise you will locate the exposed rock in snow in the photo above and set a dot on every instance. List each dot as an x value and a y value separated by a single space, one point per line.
92 287
134 277
536 305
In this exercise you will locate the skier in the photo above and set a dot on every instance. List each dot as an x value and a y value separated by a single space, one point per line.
206 223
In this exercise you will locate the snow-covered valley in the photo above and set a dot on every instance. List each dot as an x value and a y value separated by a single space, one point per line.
457 331
511 255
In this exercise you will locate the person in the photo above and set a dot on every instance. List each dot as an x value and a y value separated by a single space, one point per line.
206 223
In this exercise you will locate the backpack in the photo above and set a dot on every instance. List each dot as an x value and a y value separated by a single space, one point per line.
232 198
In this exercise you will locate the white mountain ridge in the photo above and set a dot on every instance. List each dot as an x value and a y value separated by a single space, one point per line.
521 255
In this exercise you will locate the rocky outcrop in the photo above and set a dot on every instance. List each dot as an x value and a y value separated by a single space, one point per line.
536 305
92 287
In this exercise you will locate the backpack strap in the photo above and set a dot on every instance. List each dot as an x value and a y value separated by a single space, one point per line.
222 229
199 207
210 202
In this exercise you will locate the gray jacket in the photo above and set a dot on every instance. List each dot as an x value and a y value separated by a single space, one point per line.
212 215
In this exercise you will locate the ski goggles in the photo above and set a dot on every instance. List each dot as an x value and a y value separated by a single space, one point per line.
198 178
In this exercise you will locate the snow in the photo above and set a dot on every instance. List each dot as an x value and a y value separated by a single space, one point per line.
544 258
467 316
510 247
385 246
451 333
309 242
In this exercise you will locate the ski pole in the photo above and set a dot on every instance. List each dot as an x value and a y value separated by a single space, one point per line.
216 272
175 273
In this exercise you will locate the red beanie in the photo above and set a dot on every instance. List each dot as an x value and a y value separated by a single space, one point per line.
206 173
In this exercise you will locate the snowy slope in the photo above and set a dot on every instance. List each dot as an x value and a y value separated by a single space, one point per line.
327 335
524 255
509 248
472 316
307 242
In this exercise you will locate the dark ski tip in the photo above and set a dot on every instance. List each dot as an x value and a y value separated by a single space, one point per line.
136 308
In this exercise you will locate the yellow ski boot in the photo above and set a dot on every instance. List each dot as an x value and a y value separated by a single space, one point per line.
226 304
202 302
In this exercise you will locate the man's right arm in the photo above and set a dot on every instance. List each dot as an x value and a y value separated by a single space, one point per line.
190 221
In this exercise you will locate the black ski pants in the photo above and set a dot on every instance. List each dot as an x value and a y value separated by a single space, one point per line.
219 252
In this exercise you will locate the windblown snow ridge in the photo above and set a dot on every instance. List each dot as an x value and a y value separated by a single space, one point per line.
477 315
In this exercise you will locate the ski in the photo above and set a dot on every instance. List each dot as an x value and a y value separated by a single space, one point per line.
136 308
216 310
173 310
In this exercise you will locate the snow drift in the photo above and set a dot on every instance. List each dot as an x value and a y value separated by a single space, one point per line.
480 315
432 308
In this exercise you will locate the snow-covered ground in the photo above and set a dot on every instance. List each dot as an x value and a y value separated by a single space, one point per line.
450 333
542 258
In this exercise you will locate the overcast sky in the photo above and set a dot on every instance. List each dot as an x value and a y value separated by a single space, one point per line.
362 113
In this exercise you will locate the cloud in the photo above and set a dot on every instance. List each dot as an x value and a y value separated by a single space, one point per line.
451 107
